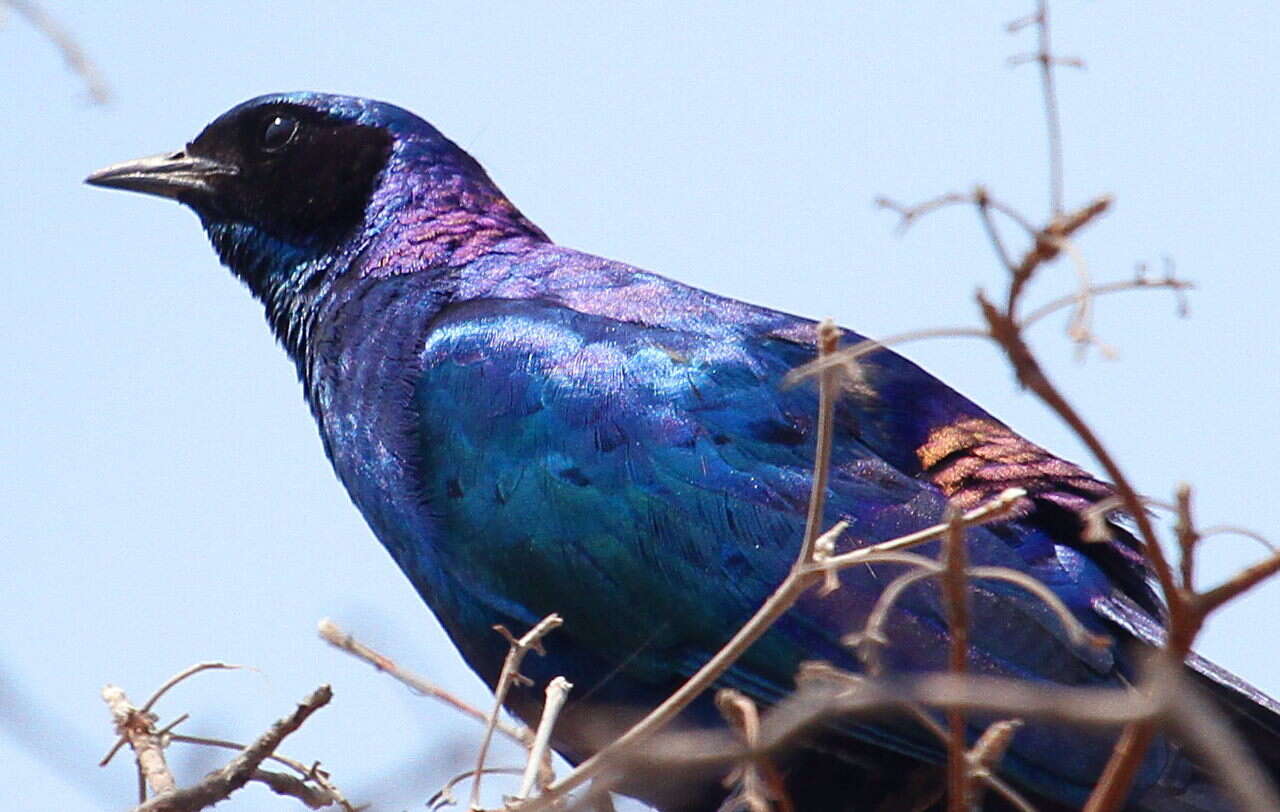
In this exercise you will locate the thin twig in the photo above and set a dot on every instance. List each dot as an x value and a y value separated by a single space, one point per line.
828 340
1047 244
218 785
138 727
1235 530
849 355
751 791
984 203
988 511
72 53
538 767
1045 58
1241 582
155 697
1187 536
1073 299
225 744
314 797
986 753
342 640
311 773
445 797
186 674
519 648
871 639
955 594
910 214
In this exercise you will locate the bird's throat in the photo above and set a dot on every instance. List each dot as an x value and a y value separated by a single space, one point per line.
288 279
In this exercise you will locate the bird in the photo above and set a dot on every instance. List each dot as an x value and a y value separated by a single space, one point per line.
529 429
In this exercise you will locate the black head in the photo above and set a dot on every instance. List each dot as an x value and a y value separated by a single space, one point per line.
294 189
300 167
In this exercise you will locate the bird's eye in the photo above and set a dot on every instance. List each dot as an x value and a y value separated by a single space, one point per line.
278 133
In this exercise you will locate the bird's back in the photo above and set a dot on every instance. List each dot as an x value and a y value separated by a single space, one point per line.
546 431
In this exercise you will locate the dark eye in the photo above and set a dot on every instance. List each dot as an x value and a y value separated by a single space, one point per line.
278 133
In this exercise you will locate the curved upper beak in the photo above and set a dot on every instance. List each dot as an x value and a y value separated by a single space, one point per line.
171 174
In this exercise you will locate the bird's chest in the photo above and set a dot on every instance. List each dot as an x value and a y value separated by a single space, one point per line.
364 376
360 389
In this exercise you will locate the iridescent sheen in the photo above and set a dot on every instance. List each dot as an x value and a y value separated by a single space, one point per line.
530 429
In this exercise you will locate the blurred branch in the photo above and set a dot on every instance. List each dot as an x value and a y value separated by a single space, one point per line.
75 57
1047 60
756 784
982 758
445 797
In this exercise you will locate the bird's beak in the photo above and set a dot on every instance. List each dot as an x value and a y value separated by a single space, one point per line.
171 174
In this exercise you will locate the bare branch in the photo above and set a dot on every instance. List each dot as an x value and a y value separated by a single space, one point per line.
138 728
1243 581
984 203
311 773
992 510
955 595
1187 536
1074 299
869 642
910 214
445 797
752 793
538 770
1044 56
1048 244
335 636
1234 530
519 648
828 340
846 357
218 785
314 797
992 745
72 53
182 675
155 697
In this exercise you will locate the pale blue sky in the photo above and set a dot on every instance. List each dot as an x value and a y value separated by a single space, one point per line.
165 498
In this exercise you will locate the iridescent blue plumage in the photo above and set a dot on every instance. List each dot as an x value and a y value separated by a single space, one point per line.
529 429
